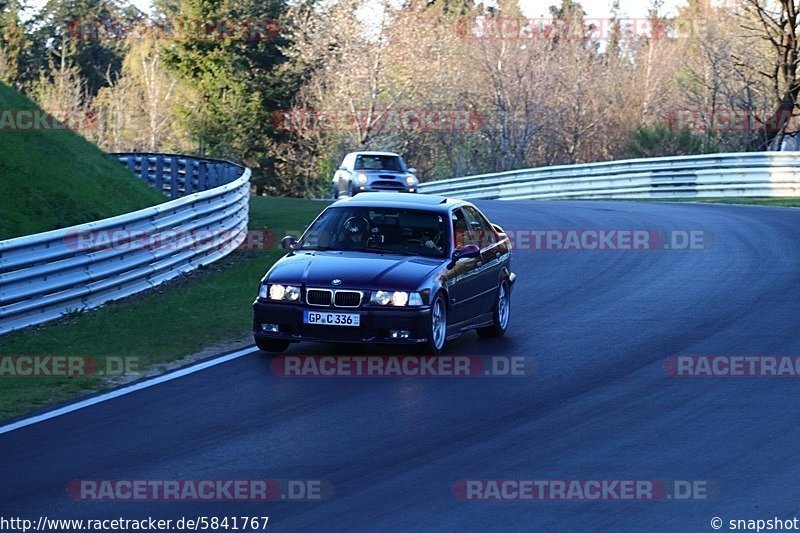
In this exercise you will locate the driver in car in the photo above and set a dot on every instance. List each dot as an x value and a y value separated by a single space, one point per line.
431 238
356 233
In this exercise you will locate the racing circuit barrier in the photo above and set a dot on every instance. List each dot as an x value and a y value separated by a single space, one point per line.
699 176
50 274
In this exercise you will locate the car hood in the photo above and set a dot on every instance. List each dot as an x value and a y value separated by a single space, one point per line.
357 270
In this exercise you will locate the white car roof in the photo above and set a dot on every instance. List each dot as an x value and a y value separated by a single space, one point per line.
375 153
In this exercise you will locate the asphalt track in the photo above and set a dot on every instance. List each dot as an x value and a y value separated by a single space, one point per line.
598 324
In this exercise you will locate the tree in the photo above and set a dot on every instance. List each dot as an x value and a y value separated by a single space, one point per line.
139 109
63 95
234 78
12 43
777 23
85 31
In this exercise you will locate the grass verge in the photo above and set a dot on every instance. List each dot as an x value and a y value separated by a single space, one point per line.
159 327
54 178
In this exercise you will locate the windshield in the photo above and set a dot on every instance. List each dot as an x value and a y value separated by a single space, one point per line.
379 162
379 230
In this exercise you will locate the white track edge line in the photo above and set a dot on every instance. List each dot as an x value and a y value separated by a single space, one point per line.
110 395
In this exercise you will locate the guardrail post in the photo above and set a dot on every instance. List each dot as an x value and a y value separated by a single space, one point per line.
158 179
202 175
144 169
174 178
188 176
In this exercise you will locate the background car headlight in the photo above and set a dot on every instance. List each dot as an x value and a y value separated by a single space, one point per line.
411 179
396 298
362 178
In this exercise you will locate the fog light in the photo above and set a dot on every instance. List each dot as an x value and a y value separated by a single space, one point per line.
270 328
399 334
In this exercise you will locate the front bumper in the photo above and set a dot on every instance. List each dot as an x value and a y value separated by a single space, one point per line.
384 187
375 324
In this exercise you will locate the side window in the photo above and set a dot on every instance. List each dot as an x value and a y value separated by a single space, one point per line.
462 235
483 231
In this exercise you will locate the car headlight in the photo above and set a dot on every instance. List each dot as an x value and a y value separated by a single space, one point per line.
280 292
381 297
400 298
276 292
362 178
396 298
292 293
411 179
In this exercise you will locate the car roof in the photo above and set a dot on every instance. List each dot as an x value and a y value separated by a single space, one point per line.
376 153
397 200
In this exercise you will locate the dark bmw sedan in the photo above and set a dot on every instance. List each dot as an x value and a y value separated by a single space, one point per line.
387 268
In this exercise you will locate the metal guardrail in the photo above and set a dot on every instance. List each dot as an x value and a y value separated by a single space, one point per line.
702 176
47 275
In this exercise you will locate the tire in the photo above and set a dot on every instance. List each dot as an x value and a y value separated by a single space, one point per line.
501 313
437 327
272 345
353 190
334 192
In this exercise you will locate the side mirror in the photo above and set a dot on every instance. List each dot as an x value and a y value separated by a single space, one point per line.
468 251
288 242
412 170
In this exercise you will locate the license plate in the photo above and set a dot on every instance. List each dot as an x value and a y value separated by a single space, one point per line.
332 319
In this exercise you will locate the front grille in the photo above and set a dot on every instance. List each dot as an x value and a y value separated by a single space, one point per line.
393 185
319 296
347 299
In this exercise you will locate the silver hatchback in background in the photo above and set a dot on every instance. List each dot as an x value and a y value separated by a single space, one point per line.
373 172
